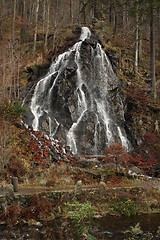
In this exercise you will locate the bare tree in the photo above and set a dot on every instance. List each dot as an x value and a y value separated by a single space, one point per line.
136 37
152 52
71 10
83 7
55 23
3 75
23 33
36 26
140 39
47 26
14 19
44 16
159 33
1 20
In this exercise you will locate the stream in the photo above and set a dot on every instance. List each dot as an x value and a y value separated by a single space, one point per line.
110 227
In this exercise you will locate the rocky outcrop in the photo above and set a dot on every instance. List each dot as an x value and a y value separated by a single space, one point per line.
79 100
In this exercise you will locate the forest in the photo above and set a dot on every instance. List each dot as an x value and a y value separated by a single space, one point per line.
33 34
29 31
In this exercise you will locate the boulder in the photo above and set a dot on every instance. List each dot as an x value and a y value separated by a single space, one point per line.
102 187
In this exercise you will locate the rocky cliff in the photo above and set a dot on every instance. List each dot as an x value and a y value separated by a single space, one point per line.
79 100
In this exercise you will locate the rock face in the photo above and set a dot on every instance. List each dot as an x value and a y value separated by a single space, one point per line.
79 100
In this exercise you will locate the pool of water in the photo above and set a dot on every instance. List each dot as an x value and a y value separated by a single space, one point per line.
106 228
112 227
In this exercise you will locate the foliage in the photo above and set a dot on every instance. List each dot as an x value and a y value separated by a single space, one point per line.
146 156
15 167
125 207
37 208
19 150
12 111
133 232
79 213
118 155
158 232
91 237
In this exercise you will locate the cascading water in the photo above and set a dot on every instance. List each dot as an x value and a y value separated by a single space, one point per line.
79 99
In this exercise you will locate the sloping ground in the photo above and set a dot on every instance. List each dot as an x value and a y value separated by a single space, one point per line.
33 158
45 205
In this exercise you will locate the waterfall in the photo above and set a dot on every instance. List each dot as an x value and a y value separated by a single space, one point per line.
81 97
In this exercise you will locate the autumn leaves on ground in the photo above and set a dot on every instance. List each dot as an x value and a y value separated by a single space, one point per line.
31 156
34 159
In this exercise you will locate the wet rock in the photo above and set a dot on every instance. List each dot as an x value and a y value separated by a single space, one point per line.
70 69
82 98
89 162
114 58
92 41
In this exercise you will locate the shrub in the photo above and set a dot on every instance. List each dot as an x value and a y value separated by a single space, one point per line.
79 213
118 155
13 110
125 207
158 232
133 232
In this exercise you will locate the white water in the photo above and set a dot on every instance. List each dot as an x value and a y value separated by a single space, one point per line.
85 33
97 94
37 108
124 140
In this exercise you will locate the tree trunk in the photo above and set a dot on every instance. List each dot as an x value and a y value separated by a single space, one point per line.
84 13
136 39
2 6
36 27
110 13
32 11
95 8
1 32
24 35
159 33
55 24
115 17
71 10
44 16
140 41
124 18
4 75
1 21
47 26
83 5
14 20
18 79
13 71
152 53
